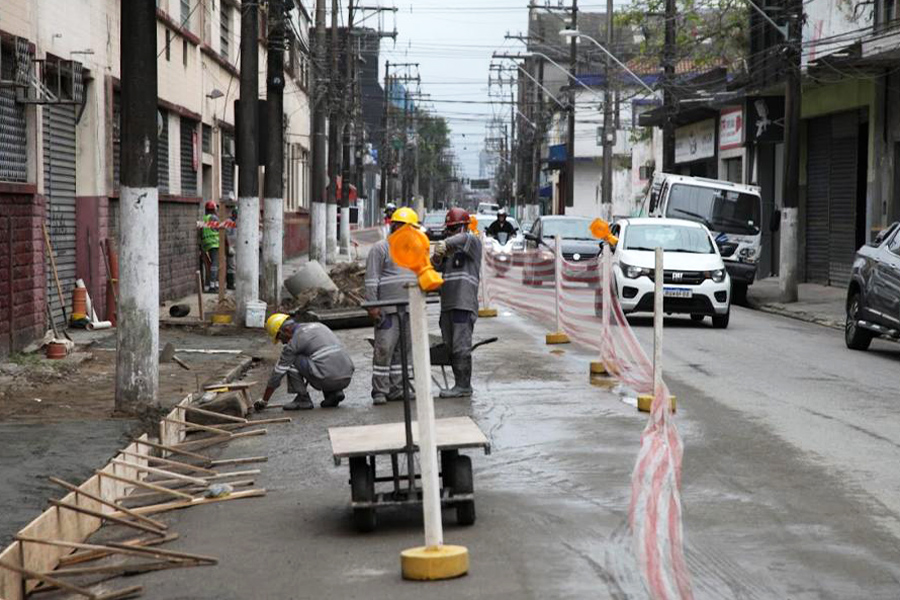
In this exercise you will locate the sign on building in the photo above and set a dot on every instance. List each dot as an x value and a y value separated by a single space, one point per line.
695 141
731 128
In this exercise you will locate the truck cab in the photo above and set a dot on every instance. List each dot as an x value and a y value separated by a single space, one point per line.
731 211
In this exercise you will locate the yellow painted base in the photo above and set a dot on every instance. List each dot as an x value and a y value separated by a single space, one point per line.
433 564
221 319
557 338
487 312
598 367
645 401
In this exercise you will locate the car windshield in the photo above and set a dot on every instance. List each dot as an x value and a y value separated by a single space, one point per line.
721 210
434 219
568 229
671 238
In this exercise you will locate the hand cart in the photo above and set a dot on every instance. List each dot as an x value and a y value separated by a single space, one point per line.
361 445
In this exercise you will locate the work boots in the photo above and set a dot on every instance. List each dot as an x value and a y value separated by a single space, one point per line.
462 377
301 402
332 399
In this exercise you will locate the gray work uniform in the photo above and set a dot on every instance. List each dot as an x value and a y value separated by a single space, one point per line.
386 281
314 356
461 270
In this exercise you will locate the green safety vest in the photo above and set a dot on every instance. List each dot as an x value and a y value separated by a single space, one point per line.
209 235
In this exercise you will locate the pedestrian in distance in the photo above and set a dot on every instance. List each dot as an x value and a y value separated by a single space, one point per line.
386 281
312 355
209 245
458 257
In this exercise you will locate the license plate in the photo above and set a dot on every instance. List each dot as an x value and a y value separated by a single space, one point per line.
672 292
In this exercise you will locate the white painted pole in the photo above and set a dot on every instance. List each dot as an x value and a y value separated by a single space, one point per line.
431 501
331 247
345 230
558 279
317 232
658 322
606 282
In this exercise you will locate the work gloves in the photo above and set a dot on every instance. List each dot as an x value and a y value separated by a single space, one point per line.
440 249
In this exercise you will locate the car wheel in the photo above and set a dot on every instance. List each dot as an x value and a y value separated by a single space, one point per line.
721 321
697 318
855 336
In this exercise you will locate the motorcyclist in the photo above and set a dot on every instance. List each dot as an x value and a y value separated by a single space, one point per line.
458 257
389 209
501 225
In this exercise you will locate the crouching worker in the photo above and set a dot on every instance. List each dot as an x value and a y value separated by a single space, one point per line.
312 355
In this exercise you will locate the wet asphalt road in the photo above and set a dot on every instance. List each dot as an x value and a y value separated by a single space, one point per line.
779 501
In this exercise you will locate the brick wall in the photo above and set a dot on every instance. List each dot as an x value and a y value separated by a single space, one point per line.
296 233
22 313
179 252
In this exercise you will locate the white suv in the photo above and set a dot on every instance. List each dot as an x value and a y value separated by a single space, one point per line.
695 281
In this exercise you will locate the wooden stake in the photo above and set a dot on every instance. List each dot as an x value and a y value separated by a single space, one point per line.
174 450
217 477
157 508
48 580
89 555
172 463
156 471
107 517
145 495
117 548
171 554
239 461
123 568
233 426
200 296
121 594
144 484
211 413
219 439
109 503
208 428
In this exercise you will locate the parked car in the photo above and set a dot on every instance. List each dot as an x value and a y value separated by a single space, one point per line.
873 297
578 246
695 280
434 225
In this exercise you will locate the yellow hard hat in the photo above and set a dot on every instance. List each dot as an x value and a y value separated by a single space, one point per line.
273 325
405 215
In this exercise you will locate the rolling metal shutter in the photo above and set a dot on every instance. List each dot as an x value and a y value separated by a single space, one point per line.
59 189
162 153
818 142
843 179
188 173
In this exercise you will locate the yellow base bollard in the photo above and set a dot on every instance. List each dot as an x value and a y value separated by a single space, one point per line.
598 367
557 338
487 312
433 564
645 402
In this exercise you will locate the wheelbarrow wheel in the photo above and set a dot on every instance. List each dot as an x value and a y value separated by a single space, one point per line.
448 467
463 484
362 489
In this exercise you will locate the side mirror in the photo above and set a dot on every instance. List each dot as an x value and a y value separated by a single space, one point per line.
775 222
654 201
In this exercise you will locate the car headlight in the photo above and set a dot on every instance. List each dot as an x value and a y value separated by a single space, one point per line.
634 272
718 275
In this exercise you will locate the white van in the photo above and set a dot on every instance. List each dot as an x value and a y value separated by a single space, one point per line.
488 208
731 211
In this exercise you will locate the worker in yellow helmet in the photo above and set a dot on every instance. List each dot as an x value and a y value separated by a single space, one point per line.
312 355
387 281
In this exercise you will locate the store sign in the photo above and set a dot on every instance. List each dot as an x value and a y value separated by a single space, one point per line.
731 128
695 141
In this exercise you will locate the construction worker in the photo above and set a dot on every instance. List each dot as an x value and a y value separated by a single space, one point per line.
458 257
501 225
209 245
230 226
389 209
312 355
386 281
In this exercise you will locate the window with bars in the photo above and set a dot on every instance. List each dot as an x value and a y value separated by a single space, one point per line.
207 138
225 31
189 159
227 163
186 12
162 152
13 138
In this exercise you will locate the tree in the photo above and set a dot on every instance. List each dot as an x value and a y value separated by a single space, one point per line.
434 143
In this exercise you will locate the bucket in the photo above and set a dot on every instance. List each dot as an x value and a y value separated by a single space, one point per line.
79 303
56 351
255 316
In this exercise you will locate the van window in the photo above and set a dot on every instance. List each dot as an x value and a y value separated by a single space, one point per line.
720 210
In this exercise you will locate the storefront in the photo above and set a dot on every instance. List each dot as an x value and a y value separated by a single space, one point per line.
731 145
695 149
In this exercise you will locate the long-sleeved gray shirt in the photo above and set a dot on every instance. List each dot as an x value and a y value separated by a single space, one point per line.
384 279
328 360
461 270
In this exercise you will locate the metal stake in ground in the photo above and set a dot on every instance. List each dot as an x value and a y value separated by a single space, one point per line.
434 560
559 336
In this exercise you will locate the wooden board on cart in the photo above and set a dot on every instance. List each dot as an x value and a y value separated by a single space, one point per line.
388 438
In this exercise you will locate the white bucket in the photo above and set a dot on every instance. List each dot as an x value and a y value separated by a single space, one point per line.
256 315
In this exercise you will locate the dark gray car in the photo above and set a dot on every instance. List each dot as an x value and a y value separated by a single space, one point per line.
873 297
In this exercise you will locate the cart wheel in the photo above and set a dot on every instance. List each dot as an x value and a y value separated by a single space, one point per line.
463 484
448 462
362 489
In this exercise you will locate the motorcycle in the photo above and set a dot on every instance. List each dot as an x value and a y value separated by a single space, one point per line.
501 253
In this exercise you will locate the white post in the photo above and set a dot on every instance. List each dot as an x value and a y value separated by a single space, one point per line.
247 255
317 232
431 501
558 279
606 282
657 322
273 236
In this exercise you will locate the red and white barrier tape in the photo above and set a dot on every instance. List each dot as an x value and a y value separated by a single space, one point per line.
590 314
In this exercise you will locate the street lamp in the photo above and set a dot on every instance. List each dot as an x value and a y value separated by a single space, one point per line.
570 33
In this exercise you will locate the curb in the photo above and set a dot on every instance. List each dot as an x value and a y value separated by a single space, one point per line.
780 309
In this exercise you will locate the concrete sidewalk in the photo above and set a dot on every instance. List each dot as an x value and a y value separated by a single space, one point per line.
820 304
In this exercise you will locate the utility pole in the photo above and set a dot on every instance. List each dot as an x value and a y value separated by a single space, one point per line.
317 226
247 259
137 334
404 160
349 88
334 150
513 158
385 139
570 140
608 129
273 221
668 84
791 186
